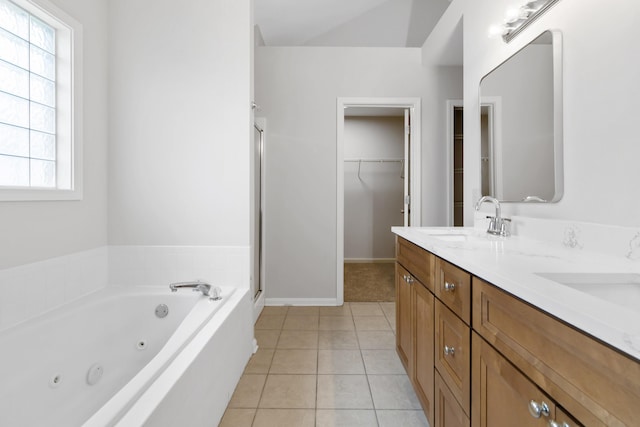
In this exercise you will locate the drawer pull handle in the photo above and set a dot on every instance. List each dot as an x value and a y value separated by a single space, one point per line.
449 287
553 423
449 351
538 409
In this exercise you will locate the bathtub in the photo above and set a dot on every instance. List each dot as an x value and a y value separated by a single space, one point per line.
113 358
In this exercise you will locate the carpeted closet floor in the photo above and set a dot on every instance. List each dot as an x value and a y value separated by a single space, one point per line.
369 282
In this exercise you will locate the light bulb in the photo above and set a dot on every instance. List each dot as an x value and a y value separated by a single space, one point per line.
512 14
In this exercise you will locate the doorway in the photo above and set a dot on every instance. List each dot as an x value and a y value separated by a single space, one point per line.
378 187
455 164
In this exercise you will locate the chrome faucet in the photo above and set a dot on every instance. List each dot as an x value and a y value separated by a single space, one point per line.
497 225
197 286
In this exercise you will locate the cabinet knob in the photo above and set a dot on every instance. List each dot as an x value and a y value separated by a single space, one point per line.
538 409
449 351
449 287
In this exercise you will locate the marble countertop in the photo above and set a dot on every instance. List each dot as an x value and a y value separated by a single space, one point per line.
511 263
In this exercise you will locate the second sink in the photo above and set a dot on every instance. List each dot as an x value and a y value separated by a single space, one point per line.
619 288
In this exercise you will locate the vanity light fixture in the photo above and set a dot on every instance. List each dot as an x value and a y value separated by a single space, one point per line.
517 19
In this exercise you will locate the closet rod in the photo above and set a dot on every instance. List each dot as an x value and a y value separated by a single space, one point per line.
359 161
374 160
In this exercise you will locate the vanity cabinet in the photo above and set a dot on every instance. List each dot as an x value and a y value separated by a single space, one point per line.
593 382
478 356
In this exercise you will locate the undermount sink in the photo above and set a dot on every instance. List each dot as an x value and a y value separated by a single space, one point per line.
618 288
449 234
451 237
448 231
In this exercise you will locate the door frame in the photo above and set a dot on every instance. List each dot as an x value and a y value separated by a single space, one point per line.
495 142
413 104
451 105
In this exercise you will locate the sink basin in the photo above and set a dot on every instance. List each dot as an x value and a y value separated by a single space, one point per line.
448 231
450 234
450 237
618 288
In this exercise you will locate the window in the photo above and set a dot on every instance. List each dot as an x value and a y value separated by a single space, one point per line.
39 69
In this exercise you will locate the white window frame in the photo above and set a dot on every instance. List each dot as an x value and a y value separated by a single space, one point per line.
68 107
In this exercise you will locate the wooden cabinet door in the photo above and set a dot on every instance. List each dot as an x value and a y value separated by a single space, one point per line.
501 394
404 339
423 380
449 413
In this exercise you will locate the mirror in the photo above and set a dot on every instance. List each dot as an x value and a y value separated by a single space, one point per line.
521 124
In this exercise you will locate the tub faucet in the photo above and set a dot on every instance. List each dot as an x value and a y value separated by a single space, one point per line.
497 225
197 286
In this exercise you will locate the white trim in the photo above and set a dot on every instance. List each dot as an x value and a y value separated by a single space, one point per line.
451 104
369 260
558 117
69 60
325 302
406 204
495 144
415 158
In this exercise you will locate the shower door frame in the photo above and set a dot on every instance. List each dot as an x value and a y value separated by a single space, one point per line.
413 105
258 232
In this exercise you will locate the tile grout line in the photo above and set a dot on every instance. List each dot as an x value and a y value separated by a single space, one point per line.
373 404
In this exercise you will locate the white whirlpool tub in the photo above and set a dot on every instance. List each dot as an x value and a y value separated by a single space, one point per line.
109 360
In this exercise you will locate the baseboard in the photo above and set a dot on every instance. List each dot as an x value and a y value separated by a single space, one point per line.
329 302
369 260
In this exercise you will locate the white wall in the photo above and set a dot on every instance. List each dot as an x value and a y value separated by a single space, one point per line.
297 89
180 111
373 200
601 92
36 231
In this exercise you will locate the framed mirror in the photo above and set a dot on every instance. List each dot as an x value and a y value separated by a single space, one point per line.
521 124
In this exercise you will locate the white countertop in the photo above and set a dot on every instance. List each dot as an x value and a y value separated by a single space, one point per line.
510 263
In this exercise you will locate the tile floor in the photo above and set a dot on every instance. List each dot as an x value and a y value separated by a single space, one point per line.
325 367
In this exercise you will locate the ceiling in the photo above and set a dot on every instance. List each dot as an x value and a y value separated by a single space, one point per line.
358 23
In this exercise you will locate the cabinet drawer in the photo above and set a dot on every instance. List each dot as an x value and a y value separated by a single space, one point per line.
453 354
598 385
417 261
565 420
453 288
449 413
